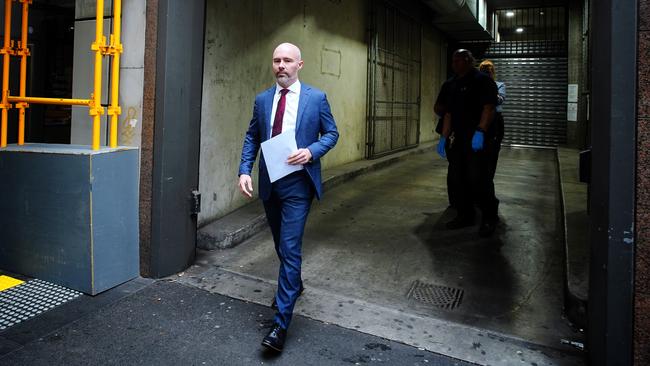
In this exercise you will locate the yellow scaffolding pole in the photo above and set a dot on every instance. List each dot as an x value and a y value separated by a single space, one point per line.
6 52
53 101
23 52
96 110
115 50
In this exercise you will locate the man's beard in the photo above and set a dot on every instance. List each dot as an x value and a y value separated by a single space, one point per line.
283 79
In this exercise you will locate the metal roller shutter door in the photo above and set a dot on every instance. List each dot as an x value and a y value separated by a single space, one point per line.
535 107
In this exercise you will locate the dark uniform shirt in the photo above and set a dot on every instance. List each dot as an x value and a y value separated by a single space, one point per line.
443 97
465 100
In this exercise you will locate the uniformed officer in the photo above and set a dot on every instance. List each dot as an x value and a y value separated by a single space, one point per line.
471 102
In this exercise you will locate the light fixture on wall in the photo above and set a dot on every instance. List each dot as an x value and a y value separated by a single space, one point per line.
510 13
519 30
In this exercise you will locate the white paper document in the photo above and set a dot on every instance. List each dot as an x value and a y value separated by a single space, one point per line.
276 150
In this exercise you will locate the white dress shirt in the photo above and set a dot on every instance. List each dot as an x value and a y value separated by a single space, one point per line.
290 108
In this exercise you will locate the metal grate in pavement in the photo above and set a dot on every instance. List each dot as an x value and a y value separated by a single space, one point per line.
448 298
30 299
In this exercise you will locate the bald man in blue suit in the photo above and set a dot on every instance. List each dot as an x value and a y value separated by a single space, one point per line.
288 105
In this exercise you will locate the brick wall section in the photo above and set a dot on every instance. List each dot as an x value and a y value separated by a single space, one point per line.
642 298
146 157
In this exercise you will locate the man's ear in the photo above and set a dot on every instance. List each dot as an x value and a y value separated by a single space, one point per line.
300 64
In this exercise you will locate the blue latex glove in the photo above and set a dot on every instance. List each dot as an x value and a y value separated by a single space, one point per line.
477 141
441 147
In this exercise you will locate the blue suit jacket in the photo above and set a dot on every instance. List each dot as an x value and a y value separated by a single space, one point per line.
315 130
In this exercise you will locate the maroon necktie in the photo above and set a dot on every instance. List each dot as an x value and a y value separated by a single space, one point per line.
279 113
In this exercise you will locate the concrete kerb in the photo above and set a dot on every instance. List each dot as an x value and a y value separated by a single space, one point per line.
243 223
575 302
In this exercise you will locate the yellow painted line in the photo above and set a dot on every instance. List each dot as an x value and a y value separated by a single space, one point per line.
7 282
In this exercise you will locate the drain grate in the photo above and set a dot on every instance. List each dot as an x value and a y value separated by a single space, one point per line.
443 297
30 299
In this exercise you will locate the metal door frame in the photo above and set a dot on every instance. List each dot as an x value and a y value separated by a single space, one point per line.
612 199
176 148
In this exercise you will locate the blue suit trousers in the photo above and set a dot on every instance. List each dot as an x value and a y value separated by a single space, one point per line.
286 212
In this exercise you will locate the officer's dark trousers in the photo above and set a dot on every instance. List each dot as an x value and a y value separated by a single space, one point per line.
473 173
496 149
453 190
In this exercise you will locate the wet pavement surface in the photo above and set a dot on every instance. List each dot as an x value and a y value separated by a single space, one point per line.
374 237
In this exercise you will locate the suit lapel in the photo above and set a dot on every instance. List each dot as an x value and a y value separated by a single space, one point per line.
302 103
268 108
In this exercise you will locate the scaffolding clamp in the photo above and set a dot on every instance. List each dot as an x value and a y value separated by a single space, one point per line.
8 50
94 110
99 47
28 2
114 110
6 105
114 48
21 51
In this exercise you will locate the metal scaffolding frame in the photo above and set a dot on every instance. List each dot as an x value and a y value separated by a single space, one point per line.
114 49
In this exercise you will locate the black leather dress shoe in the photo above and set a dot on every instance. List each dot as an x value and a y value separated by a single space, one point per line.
487 228
274 304
275 339
459 222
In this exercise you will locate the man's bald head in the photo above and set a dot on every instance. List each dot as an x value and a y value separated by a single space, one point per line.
289 48
287 61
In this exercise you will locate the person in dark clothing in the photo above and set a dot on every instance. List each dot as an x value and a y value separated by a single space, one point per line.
499 124
440 109
470 106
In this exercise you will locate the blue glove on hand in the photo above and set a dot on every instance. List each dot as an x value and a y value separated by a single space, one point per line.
441 147
477 141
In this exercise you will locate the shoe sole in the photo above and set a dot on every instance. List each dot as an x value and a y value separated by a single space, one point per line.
270 346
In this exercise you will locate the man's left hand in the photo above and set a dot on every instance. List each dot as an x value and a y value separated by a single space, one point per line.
477 141
300 157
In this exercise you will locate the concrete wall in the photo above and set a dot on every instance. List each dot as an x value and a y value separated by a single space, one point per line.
576 131
238 66
240 38
131 71
434 73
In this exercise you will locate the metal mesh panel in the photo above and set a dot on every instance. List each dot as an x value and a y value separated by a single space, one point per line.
30 299
443 297
393 81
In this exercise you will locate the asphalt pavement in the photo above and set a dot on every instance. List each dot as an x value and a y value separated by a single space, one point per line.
168 323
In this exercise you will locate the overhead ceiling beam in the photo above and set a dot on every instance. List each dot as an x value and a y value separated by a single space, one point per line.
517 4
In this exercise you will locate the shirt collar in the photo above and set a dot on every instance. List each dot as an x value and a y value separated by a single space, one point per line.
294 88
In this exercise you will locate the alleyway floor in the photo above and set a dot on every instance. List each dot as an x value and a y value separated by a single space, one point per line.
373 242
385 284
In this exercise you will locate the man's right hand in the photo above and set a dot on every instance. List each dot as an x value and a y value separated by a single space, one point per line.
246 185
441 147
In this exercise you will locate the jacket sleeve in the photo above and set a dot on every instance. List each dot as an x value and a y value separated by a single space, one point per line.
329 134
502 93
251 145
